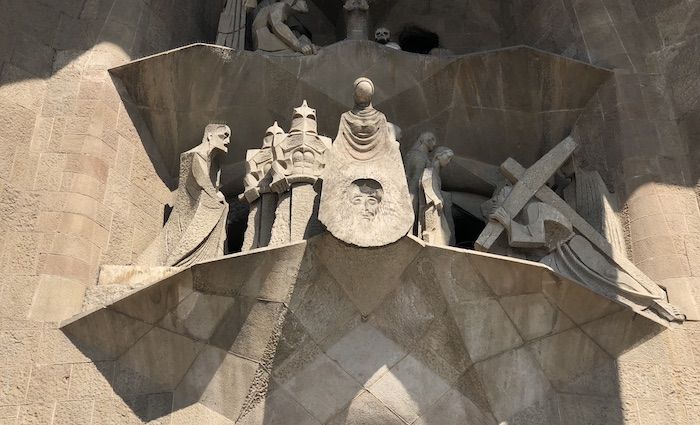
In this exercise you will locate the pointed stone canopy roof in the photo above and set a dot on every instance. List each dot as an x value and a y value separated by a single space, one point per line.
513 102
321 330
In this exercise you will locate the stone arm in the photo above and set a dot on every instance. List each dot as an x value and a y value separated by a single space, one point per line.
276 23
280 183
433 196
202 177
520 235
251 182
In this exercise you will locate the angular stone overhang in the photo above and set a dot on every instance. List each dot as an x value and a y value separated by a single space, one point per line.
514 102
322 332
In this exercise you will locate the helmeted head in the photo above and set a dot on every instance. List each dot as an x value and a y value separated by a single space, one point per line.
364 91
443 155
427 139
218 136
382 35
272 135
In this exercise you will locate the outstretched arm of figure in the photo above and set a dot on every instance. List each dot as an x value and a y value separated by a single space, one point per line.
281 30
519 235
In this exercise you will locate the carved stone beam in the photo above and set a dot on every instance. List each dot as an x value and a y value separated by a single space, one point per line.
533 179
515 172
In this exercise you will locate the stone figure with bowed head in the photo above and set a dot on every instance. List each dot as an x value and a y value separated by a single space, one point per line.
196 228
271 33
545 234
417 159
257 192
434 209
365 199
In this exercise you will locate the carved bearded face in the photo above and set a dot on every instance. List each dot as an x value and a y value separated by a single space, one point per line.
366 198
382 35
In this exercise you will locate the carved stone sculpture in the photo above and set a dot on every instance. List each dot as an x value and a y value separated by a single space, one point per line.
417 159
365 199
357 19
550 229
257 193
300 159
271 33
383 36
196 228
434 208
232 23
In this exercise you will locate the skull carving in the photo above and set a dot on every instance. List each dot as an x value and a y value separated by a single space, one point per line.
382 35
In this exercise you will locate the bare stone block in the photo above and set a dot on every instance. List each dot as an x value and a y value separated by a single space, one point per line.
73 412
454 408
366 354
485 327
163 356
322 388
365 409
513 381
410 389
49 383
534 316
219 381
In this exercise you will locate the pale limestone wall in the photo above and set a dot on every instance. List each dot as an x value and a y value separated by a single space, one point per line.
78 184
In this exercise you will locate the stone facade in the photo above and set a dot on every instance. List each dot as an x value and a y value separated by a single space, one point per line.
85 176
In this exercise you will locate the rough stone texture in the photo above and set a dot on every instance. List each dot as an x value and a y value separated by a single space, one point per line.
81 184
467 99
439 348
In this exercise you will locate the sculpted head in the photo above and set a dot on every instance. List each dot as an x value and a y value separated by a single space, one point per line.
218 137
271 135
443 155
366 198
427 139
382 35
364 91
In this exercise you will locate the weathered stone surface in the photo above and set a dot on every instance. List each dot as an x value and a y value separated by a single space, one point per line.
365 198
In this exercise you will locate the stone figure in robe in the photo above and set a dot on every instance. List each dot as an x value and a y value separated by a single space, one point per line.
543 231
417 159
257 192
196 228
434 210
272 34
365 163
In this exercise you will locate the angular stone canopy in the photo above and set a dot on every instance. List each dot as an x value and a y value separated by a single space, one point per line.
514 102
323 332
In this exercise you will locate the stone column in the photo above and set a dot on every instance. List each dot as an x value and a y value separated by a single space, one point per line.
280 229
357 19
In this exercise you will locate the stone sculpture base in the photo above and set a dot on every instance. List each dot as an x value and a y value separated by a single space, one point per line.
323 332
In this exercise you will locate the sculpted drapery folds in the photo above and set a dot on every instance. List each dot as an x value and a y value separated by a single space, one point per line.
365 170
196 228
434 209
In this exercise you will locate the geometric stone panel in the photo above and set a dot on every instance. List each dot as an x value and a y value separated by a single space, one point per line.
514 102
291 340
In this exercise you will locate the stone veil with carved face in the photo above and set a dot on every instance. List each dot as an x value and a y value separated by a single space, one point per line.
365 199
